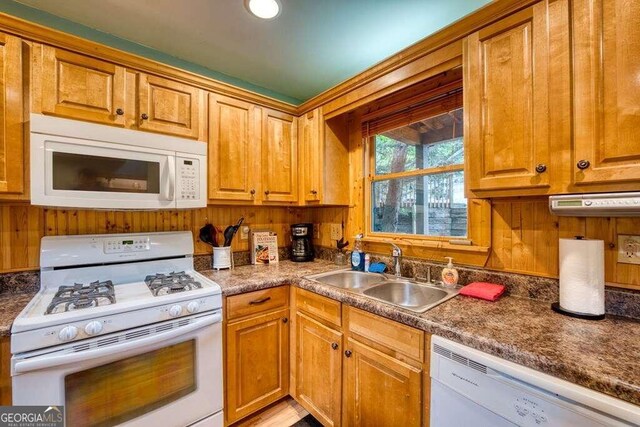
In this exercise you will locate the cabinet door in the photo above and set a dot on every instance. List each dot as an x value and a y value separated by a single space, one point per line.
279 157
607 92
311 155
11 116
257 360
234 149
379 389
81 87
516 99
167 106
5 371
319 369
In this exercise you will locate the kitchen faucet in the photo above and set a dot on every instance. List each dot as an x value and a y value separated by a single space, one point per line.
396 252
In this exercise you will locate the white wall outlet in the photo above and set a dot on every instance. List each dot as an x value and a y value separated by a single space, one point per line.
316 231
336 231
244 232
628 249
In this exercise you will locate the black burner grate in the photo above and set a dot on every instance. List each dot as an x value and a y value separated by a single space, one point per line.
174 282
81 296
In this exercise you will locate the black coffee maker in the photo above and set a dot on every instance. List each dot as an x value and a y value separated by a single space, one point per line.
301 243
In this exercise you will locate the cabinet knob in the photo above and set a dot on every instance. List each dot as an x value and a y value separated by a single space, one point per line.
144 116
252 192
541 168
285 320
266 192
314 192
347 353
583 164
120 111
334 345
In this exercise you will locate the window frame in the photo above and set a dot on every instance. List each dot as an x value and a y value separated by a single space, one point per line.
372 177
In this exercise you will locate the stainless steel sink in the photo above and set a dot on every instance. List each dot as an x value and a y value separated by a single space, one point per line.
348 279
414 296
408 294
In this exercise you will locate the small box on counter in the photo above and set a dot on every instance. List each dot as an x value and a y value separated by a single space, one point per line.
264 247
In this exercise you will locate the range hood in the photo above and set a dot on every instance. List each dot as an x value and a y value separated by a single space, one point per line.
600 204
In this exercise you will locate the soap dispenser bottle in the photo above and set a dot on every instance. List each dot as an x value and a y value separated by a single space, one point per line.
450 274
357 256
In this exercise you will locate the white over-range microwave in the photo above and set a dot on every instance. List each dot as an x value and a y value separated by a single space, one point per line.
86 165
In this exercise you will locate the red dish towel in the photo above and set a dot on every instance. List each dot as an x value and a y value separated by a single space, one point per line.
483 290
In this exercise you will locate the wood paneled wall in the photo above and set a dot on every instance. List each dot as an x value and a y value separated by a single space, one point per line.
525 238
22 226
524 234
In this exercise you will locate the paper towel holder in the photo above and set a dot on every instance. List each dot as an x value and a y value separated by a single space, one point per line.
556 307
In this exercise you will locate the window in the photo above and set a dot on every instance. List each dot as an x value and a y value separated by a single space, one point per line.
417 172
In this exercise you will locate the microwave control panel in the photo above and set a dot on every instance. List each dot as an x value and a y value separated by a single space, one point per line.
188 179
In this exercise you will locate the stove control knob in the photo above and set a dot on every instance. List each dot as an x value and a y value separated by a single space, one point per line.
193 307
93 328
68 333
175 311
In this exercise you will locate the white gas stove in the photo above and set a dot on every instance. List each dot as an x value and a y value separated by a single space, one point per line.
108 299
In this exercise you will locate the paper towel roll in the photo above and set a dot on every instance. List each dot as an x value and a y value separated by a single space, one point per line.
582 275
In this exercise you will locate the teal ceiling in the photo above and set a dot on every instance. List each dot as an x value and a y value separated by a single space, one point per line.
312 46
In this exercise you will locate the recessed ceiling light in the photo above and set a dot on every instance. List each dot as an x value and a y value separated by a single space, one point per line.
265 9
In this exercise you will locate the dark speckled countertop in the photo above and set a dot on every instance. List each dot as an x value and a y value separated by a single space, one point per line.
12 304
603 355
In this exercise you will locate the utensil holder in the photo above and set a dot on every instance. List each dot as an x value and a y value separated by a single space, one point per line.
222 258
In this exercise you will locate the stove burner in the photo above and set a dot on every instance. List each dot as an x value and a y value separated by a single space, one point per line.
164 284
81 296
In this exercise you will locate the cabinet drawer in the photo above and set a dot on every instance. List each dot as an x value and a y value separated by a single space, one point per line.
257 302
320 307
393 335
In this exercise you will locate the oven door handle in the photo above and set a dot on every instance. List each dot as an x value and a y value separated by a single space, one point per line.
46 362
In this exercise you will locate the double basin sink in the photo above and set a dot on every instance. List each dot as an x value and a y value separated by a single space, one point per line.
405 293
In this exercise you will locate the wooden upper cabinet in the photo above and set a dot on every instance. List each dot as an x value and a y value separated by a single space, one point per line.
234 149
310 161
606 94
11 116
516 101
170 107
80 87
324 159
257 360
279 157
319 369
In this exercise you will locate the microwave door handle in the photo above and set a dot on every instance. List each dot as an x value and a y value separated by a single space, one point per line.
170 186
47 362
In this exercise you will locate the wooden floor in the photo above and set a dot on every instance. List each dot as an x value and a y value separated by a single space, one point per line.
284 413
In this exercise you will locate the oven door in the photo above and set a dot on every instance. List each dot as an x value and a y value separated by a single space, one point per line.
77 173
167 374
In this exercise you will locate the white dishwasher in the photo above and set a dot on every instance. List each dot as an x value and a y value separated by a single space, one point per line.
472 388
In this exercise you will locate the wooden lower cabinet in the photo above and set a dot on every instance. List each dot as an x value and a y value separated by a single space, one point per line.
257 363
380 389
5 371
318 369
348 367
